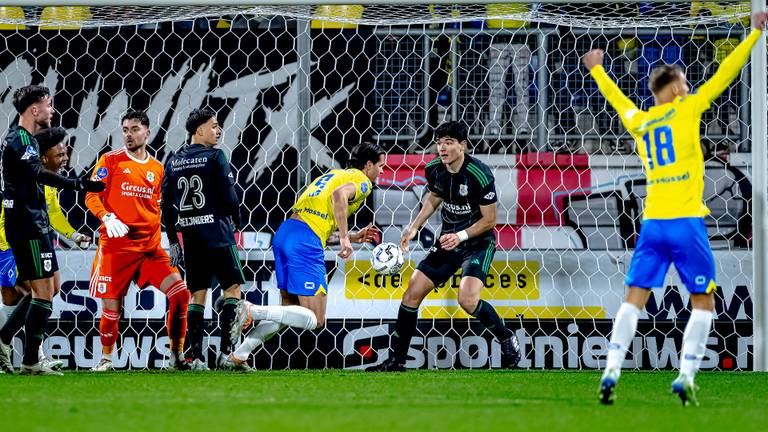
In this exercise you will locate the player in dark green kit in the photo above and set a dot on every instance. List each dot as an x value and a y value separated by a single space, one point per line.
466 189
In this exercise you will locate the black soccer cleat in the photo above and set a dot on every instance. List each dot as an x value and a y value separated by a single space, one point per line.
388 365
510 352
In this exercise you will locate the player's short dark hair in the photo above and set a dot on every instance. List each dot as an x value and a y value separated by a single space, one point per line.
363 153
138 115
451 129
663 75
50 138
198 117
28 95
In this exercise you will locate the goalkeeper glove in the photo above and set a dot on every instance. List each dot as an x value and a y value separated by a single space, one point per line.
177 258
81 240
115 227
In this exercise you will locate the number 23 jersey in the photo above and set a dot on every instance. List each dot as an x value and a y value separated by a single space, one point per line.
315 205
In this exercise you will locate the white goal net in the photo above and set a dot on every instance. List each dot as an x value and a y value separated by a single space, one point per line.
295 87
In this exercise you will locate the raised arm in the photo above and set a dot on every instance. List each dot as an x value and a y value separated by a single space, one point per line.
731 66
593 61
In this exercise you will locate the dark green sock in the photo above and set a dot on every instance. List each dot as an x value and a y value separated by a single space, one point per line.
195 329
228 312
16 320
37 320
487 315
405 327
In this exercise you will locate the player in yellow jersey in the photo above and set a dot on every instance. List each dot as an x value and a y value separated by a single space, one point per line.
17 298
298 248
673 229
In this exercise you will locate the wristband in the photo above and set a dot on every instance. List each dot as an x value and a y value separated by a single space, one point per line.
463 236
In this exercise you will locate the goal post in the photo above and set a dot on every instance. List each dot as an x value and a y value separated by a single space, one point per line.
297 83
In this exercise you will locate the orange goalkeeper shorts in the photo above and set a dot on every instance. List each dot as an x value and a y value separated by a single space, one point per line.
113 271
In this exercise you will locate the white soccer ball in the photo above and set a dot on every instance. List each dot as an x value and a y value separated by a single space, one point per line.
387 259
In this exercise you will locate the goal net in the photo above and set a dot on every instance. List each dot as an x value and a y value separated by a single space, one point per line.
295 87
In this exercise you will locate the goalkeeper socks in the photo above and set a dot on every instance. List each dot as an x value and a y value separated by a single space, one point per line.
487 315
108 330
228 312
621 336
195 320
178 302
15 320
37 320
405 327
695 341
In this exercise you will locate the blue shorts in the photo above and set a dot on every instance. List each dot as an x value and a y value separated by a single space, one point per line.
299 259
681 241
7 268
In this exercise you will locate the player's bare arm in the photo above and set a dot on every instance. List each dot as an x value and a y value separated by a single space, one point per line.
340 198
431 202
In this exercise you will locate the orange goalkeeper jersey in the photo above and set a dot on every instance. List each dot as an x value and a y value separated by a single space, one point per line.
133 195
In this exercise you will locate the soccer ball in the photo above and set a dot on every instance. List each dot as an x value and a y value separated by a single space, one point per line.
387 259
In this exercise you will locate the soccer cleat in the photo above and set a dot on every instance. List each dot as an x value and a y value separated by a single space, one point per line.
685 389
39 369
388 365
198 365
242 316
178 363
510 352
6 366
105 365
51 363
607 386
231 363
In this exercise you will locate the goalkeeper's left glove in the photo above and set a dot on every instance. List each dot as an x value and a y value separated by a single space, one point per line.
177 257
81 240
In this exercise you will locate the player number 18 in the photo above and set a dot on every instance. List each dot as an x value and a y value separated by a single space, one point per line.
662 142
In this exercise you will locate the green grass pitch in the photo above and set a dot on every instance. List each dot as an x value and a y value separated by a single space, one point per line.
336 400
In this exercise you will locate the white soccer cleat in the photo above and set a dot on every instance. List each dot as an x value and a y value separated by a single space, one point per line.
39 369
51 363
105 365
242 318
6 366
232 363
198 365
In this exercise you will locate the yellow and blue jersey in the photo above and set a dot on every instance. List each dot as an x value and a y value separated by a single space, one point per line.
56 217
315 205
668 138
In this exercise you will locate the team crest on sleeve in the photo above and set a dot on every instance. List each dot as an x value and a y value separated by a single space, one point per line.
31 151
463 190
150 176
101 173
364 188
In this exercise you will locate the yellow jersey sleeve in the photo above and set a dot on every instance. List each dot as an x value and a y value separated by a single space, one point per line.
627 110
4 246
58 220
729 69
315 205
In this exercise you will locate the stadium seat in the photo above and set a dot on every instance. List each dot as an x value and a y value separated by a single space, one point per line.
58 15
14 13
336 11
